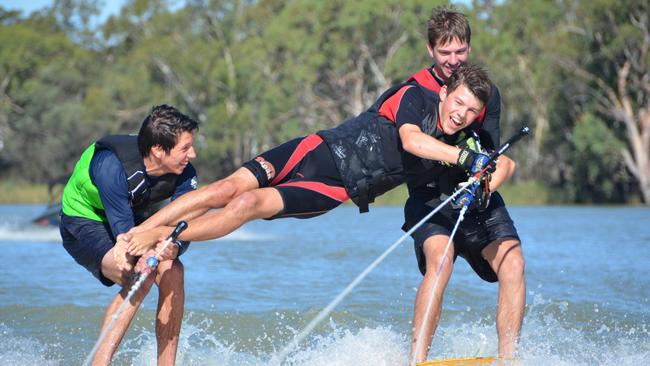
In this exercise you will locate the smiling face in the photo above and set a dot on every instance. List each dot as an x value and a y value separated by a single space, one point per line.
458 109
179 156
447 57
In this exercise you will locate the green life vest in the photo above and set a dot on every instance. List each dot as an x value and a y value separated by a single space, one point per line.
81 197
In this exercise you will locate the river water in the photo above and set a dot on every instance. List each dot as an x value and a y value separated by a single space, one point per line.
249 293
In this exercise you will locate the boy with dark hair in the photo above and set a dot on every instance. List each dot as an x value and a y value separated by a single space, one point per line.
114 186
486 238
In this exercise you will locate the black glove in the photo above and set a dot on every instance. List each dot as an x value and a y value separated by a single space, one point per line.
474 162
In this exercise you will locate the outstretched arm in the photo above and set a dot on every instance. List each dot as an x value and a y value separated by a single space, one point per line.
424 146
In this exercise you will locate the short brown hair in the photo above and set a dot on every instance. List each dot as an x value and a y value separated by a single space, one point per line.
163 126
475 78
447 24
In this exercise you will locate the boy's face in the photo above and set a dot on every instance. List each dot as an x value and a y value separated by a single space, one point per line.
448 57
458 109
180 155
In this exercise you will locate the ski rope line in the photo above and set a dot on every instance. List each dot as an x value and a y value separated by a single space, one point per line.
427 313
524 131
323 313
277 359
152 263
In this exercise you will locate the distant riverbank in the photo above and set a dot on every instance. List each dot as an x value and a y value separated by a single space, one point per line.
520 193
16 192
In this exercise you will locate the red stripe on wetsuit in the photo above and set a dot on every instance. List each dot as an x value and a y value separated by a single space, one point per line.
391 106
335 193
308 144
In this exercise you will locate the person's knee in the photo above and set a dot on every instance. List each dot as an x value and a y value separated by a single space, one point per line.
435 260
171 271
513 267
244 205
220 192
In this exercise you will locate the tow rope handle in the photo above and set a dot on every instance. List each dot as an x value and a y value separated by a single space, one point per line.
524 131
152 262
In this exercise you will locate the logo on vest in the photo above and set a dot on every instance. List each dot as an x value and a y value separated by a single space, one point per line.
339 151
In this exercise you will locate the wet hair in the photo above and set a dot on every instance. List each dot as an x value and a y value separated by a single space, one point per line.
474 77
447 24
163 126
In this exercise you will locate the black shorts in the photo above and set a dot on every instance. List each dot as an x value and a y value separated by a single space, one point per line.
476 231
87 241
304 173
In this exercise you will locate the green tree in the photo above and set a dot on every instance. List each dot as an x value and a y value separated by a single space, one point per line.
600 174
44 76
611 66
512 39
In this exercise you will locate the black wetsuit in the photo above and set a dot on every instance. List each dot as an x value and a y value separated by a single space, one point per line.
478 229
360 159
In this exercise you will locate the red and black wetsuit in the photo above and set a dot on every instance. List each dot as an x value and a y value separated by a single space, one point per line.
478 229
487 128
360 159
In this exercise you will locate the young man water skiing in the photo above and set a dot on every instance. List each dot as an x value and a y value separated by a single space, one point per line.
117 180
486 238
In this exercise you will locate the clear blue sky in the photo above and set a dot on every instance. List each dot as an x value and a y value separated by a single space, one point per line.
110 6
27 6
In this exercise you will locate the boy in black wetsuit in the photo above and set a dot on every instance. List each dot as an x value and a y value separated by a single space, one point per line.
487 238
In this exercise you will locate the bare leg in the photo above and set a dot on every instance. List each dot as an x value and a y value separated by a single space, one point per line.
250 205
171 299
213 195
112 340
434 248
256 204
507 261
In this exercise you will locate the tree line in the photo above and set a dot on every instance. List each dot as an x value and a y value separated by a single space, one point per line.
256 73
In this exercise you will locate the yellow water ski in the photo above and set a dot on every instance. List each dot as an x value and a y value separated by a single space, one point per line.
473 361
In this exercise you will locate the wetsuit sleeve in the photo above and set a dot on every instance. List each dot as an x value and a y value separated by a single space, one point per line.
109 177
490 134
186 182
407 105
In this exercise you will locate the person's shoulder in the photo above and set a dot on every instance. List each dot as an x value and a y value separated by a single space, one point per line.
418 90
425 94
105 164
106 159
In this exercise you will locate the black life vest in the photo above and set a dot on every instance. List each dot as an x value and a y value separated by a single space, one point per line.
141 192
369 155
